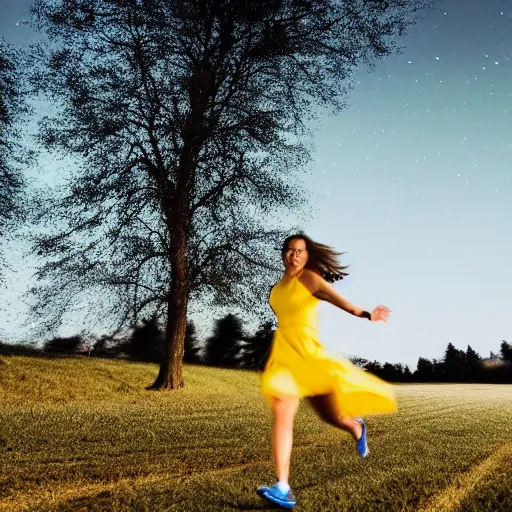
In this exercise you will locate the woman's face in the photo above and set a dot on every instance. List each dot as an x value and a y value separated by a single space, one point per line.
296 257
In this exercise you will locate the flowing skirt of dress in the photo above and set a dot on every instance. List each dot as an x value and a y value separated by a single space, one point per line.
299 366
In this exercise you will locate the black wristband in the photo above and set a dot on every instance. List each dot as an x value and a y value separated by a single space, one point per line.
365 314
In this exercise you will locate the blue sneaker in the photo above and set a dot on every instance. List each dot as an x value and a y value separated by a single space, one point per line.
361 444
276 496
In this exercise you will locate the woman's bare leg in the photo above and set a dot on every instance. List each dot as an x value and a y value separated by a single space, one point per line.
325 406
284 409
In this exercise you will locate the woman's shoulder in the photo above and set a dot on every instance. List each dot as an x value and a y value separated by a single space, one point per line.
310 277
310 274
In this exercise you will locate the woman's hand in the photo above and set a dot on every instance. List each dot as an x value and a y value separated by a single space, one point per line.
380 313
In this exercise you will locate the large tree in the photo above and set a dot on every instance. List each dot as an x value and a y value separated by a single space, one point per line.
187 120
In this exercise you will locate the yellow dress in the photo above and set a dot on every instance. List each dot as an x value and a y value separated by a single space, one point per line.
299 366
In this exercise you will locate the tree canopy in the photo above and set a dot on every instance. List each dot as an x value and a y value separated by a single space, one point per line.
12 108
187 120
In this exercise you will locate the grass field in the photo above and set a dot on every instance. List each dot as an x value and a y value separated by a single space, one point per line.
83 434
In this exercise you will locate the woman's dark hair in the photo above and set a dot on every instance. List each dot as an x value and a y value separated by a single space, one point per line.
322 259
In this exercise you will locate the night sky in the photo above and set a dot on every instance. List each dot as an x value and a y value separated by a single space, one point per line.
413 179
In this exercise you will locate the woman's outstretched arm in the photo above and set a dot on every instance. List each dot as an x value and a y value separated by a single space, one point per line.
321 289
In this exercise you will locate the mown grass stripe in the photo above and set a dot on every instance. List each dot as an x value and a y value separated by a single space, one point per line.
451 497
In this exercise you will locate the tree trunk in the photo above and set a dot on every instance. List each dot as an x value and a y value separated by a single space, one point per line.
170 375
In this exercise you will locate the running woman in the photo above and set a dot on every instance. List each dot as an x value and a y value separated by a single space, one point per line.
299 366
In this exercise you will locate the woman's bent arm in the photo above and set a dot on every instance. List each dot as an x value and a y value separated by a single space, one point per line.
321 289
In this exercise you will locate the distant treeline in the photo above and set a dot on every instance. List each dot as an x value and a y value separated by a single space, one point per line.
455 366
231 347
